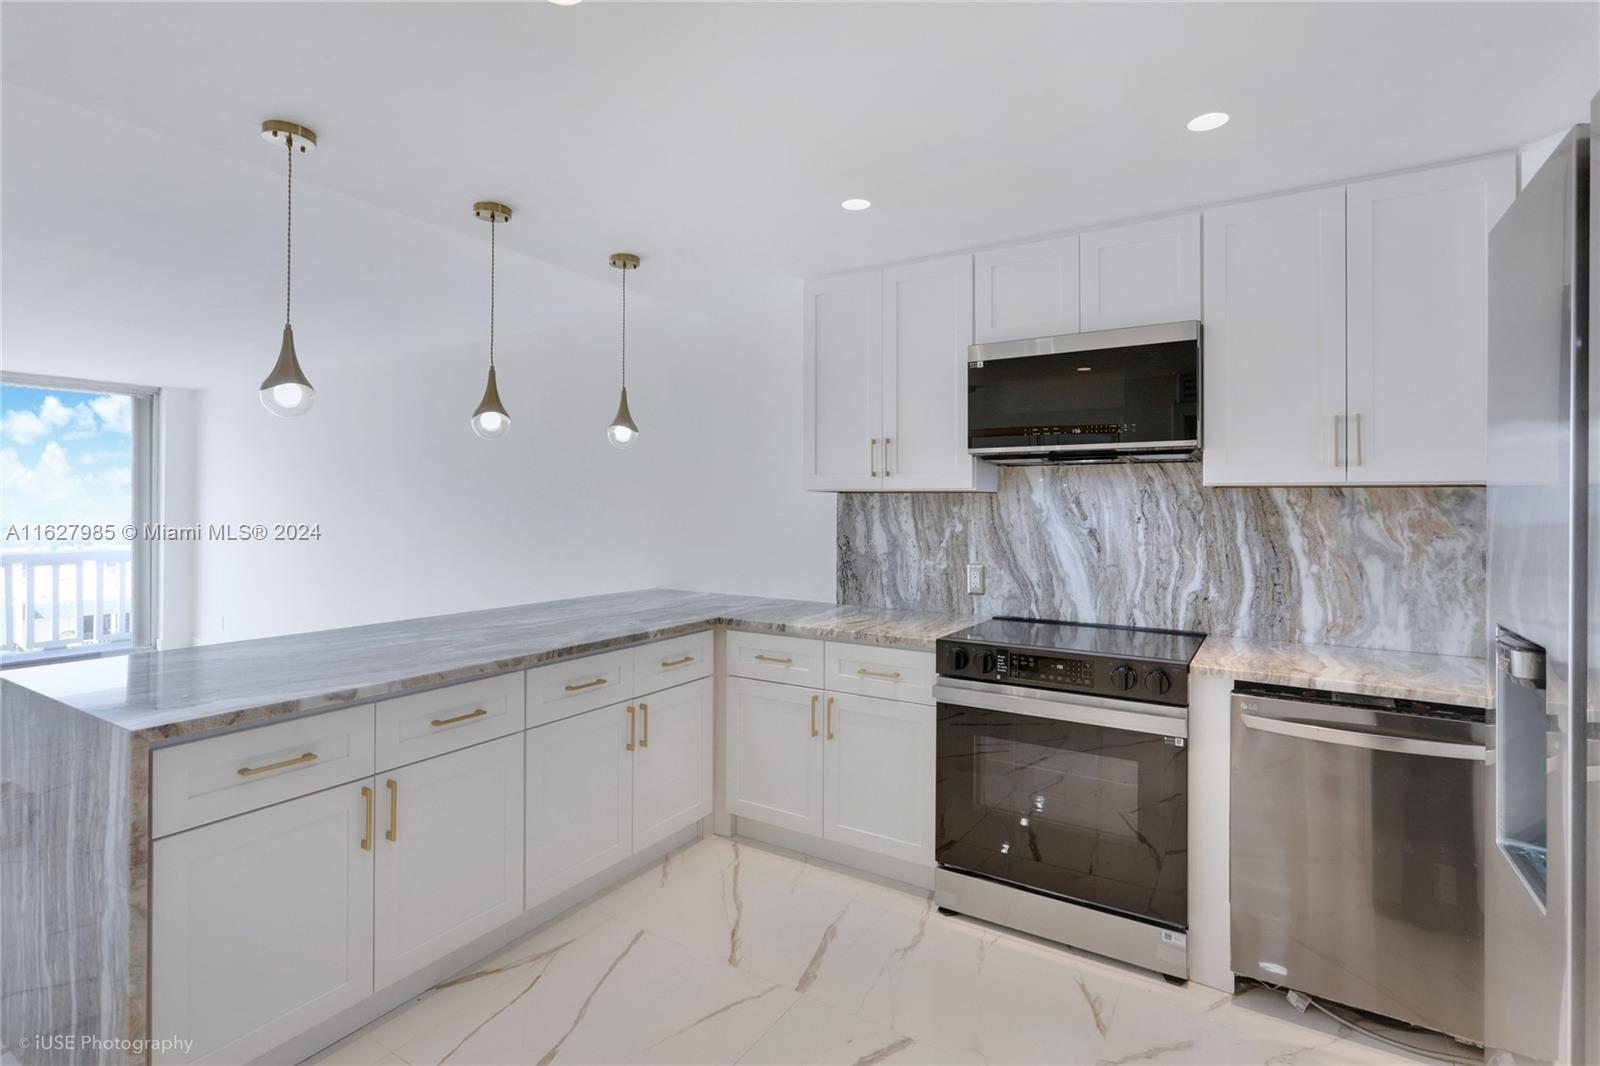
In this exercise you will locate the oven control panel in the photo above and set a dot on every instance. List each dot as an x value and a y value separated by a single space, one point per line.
1101 675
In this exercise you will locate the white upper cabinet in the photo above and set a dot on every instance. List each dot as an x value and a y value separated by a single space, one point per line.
1275 341
1418 321
1026 290
1140 275
844 382
927 326
886 380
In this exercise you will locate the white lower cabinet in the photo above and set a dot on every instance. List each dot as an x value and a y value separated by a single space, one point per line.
672 762
449 854
774 758
261 925
844 767
580 800
878 775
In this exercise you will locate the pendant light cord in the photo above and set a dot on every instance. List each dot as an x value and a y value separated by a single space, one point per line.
493 221
288 236
624 329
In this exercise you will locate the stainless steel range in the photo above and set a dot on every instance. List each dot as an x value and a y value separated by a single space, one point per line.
1062 806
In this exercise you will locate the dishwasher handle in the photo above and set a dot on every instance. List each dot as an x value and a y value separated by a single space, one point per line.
1442 749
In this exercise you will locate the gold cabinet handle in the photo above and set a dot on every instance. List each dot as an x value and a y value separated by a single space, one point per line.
813 716
774 659
479 713
394 809
644 738
891 675
366 838
298 760
886 457
588 684
631 723
1336 440
1359 457
666 663
830 717
872 453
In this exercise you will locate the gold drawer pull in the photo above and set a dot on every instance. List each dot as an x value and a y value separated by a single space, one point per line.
479 713
892 675
644 739
813 716
366 839
394 809
298 760
632 726
676 662
588 684
830 717
774 659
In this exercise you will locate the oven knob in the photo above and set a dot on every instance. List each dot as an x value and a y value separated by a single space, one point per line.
987 663
1158 682
1123 677
959 658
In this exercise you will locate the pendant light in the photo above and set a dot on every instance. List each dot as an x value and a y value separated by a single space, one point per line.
286 392
490 420
623 432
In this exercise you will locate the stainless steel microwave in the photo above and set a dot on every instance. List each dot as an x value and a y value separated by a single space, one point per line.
1116 395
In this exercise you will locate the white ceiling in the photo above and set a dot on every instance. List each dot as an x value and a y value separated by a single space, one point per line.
142 210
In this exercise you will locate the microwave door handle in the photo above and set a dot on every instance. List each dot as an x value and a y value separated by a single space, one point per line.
1443 749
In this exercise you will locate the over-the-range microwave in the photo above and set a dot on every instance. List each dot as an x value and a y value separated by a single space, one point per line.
1115 395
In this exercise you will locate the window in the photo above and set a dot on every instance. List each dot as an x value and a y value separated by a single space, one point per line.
77 488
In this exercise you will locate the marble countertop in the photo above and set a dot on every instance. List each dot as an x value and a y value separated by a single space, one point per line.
1453 679
186 690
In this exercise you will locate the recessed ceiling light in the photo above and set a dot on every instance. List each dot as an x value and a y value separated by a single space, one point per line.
856 203
1208 121
1081 369
566 3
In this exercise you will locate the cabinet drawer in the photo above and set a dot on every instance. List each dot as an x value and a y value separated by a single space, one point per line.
431 723
671 662
561 690
766 657
220 776
887 673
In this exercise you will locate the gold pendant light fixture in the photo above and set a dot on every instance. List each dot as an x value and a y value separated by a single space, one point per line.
622 432
285 391
490 420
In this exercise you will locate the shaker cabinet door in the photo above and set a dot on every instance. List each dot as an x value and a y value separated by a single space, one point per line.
844 382
878 777
672 762
774 755
261 925
1275 341
449 854
1026 290
580 800
1141 275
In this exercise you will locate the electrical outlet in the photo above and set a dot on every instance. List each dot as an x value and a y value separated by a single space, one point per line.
975 579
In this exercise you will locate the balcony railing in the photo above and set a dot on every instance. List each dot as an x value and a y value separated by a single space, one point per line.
66 600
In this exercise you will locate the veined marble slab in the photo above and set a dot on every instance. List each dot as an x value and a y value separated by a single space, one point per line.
1455 679
1148 545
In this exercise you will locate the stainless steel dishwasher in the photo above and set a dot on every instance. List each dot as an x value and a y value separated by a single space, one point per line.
1355 854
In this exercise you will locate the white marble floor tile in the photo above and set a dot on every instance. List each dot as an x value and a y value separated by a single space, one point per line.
729 952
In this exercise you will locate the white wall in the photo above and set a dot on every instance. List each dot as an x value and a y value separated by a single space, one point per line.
420 517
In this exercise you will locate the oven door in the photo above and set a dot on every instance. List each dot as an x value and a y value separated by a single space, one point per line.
1073 796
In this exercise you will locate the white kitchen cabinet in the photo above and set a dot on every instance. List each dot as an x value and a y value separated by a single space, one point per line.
1026 290
774 754
449 854
886 380
579 800
878 775
1418 264
672 762
1275 341
927 327
261 925
1140 275
844 382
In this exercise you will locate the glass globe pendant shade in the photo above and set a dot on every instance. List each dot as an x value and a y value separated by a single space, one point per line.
622 432
490 420
286 392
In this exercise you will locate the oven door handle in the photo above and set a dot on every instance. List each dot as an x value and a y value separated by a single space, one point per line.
1444 749
1127 715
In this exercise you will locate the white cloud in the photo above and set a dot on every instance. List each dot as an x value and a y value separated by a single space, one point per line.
115 411
51 490
74 422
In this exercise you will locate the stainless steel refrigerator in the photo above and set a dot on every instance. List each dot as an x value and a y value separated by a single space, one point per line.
1542 857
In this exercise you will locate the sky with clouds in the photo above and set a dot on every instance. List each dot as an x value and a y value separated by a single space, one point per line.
64 457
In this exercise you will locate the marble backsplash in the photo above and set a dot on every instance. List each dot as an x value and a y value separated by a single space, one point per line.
1396 568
